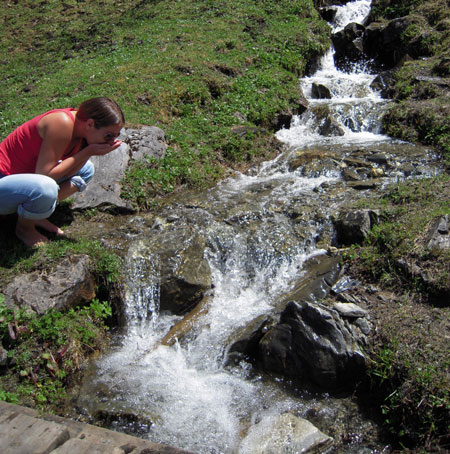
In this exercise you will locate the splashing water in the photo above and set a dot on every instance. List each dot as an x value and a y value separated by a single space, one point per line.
355 107
193 401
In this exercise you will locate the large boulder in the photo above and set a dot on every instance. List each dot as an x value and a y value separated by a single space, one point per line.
104 191
349 46
322 344
69 284
307 340
384 43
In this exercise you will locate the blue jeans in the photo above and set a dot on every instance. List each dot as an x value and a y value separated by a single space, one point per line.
34 196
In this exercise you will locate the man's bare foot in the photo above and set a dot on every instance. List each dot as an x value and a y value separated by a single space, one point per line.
27 233
47 225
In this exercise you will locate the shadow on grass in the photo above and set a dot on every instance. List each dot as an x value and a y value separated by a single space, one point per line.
13 251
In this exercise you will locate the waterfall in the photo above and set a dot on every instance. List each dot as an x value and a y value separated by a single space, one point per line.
192 399
355 108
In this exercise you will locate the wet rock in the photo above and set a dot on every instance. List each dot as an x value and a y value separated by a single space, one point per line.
328 13
350 175
124 422
314 162
353 226
69 284
356 162
378 158
321 274
285 433
438 236
282 120
330 127
307 340
384 82
349 45
312 341
276 351
184 326
245 344
385 44
362 185
104 190
320 91
176 260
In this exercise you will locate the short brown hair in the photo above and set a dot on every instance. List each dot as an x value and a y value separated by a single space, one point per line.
104 112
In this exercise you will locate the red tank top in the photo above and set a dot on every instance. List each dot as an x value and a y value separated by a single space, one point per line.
20 150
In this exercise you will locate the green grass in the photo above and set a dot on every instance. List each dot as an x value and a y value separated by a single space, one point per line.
17 258
44 352
409 354
407 209
421 113
194 68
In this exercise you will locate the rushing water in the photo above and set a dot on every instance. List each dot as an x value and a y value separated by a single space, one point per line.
193 401
355 107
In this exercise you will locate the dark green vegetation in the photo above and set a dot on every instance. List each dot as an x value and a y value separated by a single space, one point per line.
197 69
422 85
45 352
411 353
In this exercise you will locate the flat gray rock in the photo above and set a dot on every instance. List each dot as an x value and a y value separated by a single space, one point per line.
105 188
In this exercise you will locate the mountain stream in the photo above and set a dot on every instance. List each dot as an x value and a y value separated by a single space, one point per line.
257 230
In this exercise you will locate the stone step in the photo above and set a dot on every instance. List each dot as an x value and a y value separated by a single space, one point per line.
23 434
24 431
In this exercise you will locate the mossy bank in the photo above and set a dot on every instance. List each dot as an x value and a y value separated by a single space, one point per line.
421 82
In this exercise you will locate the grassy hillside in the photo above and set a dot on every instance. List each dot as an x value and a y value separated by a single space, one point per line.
422 84
195 68
411 355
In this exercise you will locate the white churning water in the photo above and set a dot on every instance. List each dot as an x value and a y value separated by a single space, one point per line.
354 106
192 400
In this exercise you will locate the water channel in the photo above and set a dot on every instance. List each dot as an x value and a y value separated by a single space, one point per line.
255 249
